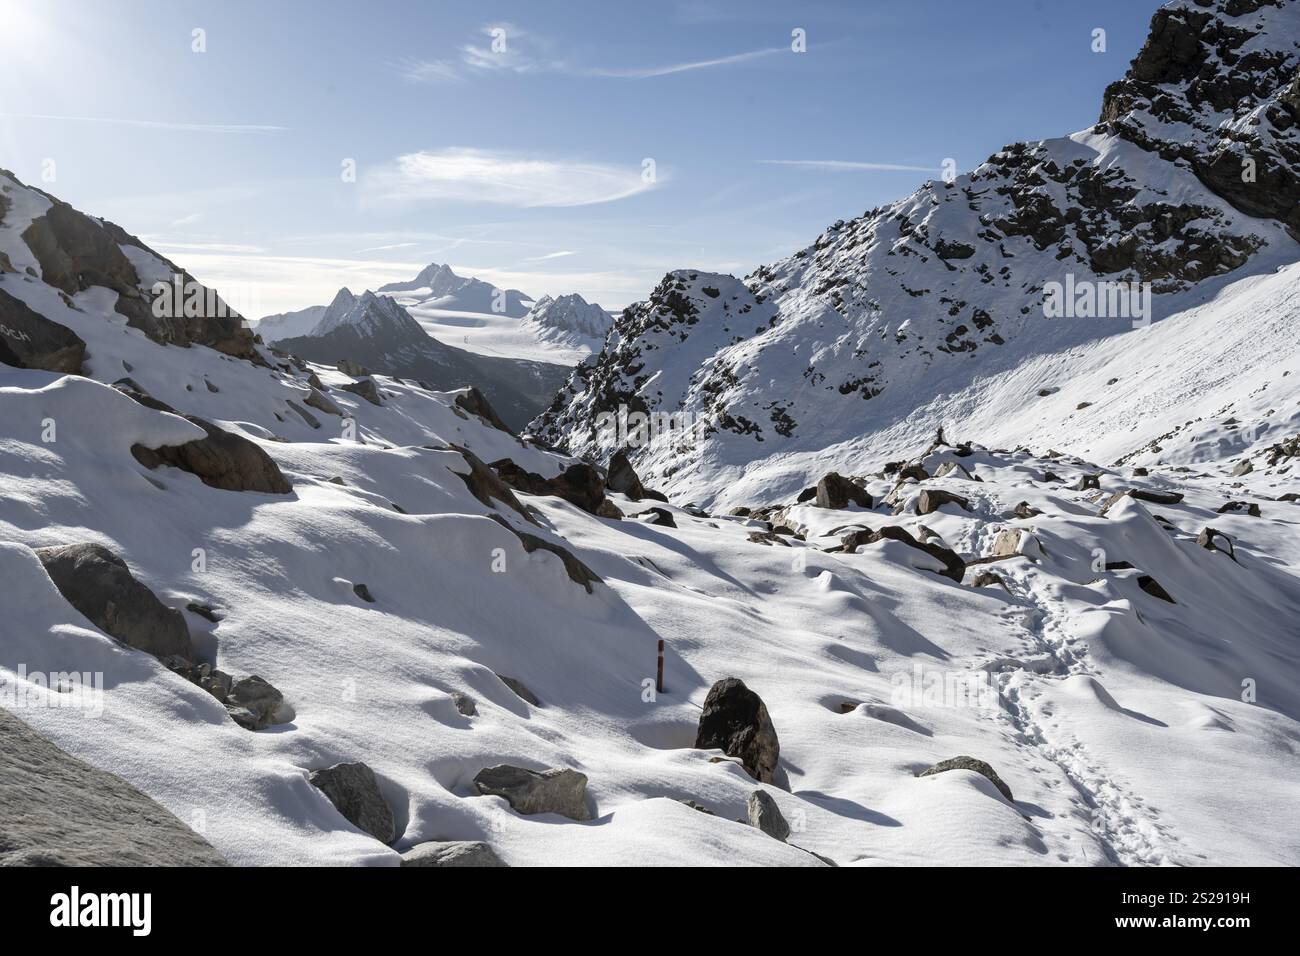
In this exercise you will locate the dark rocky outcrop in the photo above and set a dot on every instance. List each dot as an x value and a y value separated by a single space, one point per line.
484 485
970 763
622 478
475 402
59 811
353 789
222 459
1241 508
735 720
580 484
77 252
29 340
99 584
529 792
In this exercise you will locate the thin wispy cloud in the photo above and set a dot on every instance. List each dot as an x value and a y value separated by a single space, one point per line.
509 179
516 51
846 166
167 246
550 255
646 73
395 245
150 124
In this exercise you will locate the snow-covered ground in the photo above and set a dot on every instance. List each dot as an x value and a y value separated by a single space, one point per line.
1116 719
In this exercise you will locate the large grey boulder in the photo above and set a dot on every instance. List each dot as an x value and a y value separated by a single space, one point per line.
56 810
735 721
353 789
970 763
99 584
766 815
529 792
452 853
837 492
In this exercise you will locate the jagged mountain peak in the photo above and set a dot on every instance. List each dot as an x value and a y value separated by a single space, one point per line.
369 314
568 320
927 295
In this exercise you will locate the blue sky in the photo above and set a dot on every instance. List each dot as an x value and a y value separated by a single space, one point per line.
523 166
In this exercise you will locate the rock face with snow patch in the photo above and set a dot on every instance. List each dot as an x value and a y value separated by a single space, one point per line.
100 585
77 252
735 721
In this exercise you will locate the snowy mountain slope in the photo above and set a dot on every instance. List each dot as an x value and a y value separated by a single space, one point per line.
951 287
286 325
376 332
1116 719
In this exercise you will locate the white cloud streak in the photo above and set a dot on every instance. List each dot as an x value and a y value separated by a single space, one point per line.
847 166
508 179
150 124
524 54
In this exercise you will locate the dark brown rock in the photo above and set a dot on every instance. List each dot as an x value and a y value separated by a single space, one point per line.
735 720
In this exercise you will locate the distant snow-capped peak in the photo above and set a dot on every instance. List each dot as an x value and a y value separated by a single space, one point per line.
437 286
370 314
567 317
